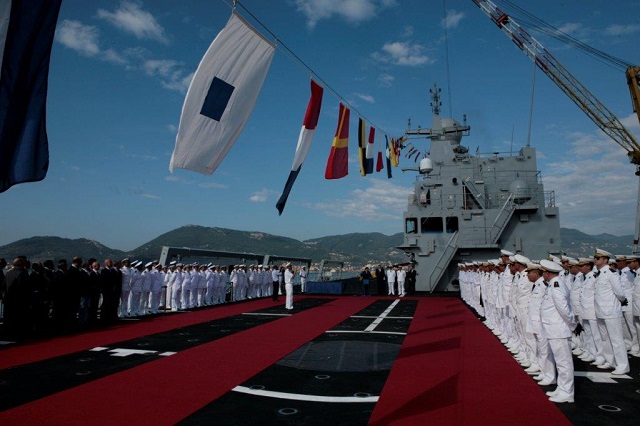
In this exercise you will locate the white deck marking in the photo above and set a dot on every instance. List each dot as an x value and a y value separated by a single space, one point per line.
121 352
6 342
98 349
598 377
373 316
167 353
382 316
264 313
365 331
302 397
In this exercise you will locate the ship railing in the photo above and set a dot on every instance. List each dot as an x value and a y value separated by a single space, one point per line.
549 198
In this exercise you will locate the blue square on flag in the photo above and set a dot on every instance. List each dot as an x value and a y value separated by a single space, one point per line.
217 99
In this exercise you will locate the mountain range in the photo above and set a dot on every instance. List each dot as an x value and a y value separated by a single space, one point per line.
356 249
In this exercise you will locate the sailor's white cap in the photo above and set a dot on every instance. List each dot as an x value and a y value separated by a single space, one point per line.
512 259
603 253
172 263
623 257
564 258
533 266
555 259
584 260
495 262
573 261
522 259
550 266
505 253
126 259
148 264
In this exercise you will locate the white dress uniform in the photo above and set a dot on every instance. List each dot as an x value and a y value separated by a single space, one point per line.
176 290
636 306
126 291
156 290
288 287
147 282
627 278
534 326
166 294
558 322
608 294
391 278
136 291
592 339
303 279
195 285
401 276
185 289
222 286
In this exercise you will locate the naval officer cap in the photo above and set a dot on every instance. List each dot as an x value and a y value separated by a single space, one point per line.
505 253
173 263
522 259
125 260
602 253
550 266
148 264
532 266
555 259
584 261
621 257
573 261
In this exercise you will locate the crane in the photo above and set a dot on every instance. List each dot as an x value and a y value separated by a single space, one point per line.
575 90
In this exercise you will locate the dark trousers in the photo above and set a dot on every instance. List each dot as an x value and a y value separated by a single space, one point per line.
276 287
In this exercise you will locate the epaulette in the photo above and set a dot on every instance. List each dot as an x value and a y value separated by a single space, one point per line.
556 285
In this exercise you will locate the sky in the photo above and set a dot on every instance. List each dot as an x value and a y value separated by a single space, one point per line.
120 70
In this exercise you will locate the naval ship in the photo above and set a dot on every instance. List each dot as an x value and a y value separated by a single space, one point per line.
468 207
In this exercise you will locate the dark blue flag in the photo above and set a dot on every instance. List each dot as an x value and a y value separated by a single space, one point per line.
27 28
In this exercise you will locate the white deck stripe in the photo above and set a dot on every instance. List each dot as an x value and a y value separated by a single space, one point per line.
302 397
262 313
382 316
371 316
365 331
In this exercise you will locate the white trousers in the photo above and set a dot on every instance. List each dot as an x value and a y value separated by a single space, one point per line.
288 288
614 350
561 350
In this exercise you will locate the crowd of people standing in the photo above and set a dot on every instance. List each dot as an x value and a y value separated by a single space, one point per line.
544 312
37 297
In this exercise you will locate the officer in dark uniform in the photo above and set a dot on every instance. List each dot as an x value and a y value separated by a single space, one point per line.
16 300
381 280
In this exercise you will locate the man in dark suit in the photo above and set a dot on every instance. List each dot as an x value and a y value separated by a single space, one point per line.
381 280
16 300
111 289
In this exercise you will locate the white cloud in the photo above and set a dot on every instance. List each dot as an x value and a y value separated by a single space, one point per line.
84 39
402 53
381 201
452 19
385 80
570 27
408 31
366 98
595 185
81 38
212 185
131 18
618 30
351 10
150 196
261 196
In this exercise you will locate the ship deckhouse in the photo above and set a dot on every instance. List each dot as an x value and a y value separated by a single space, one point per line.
467 207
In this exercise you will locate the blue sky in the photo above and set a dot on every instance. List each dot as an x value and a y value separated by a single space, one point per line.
119 72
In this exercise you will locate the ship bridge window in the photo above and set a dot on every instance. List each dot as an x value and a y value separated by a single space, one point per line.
411 225
430 225
451 224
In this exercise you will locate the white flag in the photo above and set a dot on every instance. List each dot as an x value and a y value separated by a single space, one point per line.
221 96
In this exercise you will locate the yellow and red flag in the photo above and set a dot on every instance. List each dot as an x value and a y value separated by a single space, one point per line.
338 162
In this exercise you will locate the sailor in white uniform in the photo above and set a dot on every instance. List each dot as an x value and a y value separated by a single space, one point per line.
136 288
125 293
627 278
558 322
303 279
401 276
609 298
288 286
542 363
634 265
391 279
222 284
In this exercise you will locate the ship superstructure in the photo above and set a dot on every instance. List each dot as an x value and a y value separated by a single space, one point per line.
467 207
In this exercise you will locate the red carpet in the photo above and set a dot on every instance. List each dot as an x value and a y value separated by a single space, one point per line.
451 370
168 390
126 330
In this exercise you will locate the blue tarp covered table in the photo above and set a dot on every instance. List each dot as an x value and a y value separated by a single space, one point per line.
325 287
